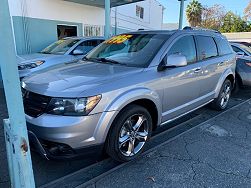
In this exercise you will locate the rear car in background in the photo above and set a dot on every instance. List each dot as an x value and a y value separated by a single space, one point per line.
64 51
243 64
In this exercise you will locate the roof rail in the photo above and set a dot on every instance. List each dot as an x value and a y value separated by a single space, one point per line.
200 29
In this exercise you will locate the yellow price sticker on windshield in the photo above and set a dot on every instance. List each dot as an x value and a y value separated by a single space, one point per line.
118 39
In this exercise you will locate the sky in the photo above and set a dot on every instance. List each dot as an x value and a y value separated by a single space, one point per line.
171 13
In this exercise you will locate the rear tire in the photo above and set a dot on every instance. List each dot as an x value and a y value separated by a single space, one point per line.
221 102
129 133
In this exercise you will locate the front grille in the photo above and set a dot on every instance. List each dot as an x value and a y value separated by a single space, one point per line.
34 104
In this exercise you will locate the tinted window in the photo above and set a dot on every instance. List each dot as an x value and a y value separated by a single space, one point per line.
185 46
134 50
206 47
223 46
88 45
237 49
241 46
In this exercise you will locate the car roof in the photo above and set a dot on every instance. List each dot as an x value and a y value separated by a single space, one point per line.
85 38
180 31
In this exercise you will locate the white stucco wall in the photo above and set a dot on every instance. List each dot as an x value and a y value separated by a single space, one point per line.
57 10
74 12
127 19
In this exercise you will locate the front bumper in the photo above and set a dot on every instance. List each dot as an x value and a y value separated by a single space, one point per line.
66 136
52 150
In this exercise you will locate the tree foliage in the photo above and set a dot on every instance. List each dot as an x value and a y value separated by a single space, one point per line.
234 23
194 13
247 11
212 17
217 18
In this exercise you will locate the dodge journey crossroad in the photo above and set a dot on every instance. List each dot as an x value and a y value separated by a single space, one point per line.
124 89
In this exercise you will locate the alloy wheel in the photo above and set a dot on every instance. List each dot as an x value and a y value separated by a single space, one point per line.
133 135
225 95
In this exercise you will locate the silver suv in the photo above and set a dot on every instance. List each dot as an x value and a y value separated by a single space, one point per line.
124 89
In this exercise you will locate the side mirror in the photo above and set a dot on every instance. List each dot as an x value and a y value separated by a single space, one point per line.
172 61
77 52
240 53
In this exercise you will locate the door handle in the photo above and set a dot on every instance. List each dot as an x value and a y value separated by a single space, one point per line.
197 70
220 64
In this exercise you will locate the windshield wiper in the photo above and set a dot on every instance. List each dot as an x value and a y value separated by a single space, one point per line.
45 52
104 59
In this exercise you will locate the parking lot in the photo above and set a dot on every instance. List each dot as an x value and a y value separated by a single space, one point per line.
85 169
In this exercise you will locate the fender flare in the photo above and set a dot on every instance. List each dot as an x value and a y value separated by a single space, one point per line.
118 104
223 77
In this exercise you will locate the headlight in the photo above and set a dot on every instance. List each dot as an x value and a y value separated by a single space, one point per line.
72 107
30 65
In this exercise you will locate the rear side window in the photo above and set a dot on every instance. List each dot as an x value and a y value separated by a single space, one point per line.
223 46
206 47
185 46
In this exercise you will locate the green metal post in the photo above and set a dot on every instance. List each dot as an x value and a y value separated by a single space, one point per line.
181 13
107 18
17 145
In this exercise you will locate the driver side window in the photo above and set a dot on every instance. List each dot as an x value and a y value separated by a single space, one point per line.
185 46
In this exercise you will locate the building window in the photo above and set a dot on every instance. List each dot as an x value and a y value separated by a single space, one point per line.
139 11
93 30
66 31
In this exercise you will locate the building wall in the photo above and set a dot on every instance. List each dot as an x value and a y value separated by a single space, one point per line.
127 19
35 21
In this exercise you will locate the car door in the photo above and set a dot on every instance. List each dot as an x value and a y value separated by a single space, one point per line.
181 88
212 65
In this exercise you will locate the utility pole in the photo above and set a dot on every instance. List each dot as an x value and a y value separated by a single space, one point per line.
182 2
16 138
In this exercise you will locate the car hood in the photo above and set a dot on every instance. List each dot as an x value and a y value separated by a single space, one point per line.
25 59
72 80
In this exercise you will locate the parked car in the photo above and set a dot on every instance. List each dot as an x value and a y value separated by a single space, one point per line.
67 50
124 89
241 42
243 65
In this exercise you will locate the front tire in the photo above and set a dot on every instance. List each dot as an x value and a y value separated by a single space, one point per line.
221 102
129 133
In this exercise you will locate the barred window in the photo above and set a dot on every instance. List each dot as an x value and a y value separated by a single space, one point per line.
93 30
139 11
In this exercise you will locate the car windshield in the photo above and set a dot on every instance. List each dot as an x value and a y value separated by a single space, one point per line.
248 49
60 46
136 50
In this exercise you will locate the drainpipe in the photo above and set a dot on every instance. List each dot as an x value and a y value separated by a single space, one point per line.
181 13
15 131
107 18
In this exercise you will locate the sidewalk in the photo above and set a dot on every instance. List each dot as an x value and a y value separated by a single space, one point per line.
216 153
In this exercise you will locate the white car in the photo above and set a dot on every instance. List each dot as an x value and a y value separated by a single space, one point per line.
63 51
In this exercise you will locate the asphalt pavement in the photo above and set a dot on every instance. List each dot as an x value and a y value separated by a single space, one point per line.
215 153
73 173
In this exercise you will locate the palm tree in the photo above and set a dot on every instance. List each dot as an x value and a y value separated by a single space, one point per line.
194 13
